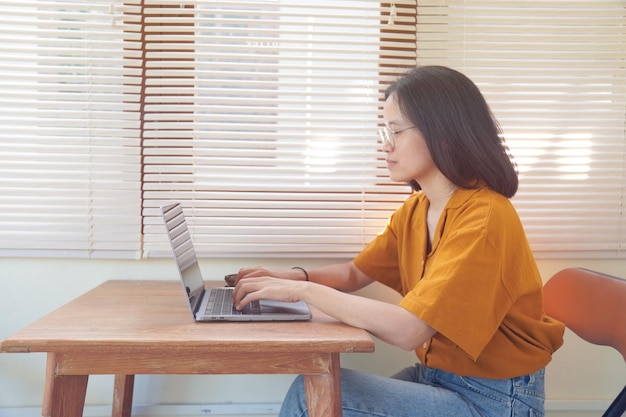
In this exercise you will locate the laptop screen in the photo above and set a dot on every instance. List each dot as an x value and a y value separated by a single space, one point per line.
185 255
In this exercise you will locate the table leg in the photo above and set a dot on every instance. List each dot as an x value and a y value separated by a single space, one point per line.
51 364
64 395
123 395
323 392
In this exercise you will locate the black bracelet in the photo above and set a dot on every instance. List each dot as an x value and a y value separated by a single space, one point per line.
306 274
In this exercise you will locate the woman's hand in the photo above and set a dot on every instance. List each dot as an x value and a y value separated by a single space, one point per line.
250 289
263 271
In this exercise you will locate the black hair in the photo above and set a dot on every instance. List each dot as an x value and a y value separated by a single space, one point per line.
462 135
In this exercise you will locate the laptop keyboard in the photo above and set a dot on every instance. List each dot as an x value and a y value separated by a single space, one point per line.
221 303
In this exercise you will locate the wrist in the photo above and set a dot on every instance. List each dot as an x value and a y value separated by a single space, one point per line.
304 271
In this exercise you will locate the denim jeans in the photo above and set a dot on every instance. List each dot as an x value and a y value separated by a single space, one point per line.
418 391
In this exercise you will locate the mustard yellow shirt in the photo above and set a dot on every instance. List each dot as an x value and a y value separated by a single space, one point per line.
478 286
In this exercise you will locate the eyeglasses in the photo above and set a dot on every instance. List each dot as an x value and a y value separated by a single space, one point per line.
388 136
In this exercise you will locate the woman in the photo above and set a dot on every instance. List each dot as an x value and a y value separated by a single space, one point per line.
472 306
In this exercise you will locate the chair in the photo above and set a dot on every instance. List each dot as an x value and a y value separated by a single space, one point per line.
592 305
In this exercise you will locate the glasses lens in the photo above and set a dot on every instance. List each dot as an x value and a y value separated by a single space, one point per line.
386 136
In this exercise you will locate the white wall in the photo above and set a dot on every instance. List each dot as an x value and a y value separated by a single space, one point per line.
581 376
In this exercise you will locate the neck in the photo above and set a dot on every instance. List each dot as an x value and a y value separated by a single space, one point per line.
439 192
438 198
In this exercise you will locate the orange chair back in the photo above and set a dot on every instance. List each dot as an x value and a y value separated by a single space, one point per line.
591 304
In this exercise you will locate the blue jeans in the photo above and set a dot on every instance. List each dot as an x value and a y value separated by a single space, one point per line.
418 391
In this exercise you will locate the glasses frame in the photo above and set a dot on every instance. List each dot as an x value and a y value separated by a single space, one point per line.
388 136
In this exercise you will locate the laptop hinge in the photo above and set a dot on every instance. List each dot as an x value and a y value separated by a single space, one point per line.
196 300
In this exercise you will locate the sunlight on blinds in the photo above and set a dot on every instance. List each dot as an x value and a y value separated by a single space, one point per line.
261 119
553 73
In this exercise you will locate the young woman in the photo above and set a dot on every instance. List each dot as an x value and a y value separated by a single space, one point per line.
472 306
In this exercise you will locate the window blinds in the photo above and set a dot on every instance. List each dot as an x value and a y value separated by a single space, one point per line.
261 118
69 144
554 74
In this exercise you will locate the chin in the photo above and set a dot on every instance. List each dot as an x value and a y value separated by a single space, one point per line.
398 178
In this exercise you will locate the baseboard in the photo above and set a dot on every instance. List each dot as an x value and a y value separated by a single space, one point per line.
215 410
577 405
251 409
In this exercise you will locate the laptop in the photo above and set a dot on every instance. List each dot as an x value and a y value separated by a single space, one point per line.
216 304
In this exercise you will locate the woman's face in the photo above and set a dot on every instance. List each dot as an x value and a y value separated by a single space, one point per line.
409 159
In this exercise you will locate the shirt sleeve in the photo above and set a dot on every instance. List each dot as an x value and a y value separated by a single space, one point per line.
379 259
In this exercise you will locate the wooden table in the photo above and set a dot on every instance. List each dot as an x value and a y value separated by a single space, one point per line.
125 328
